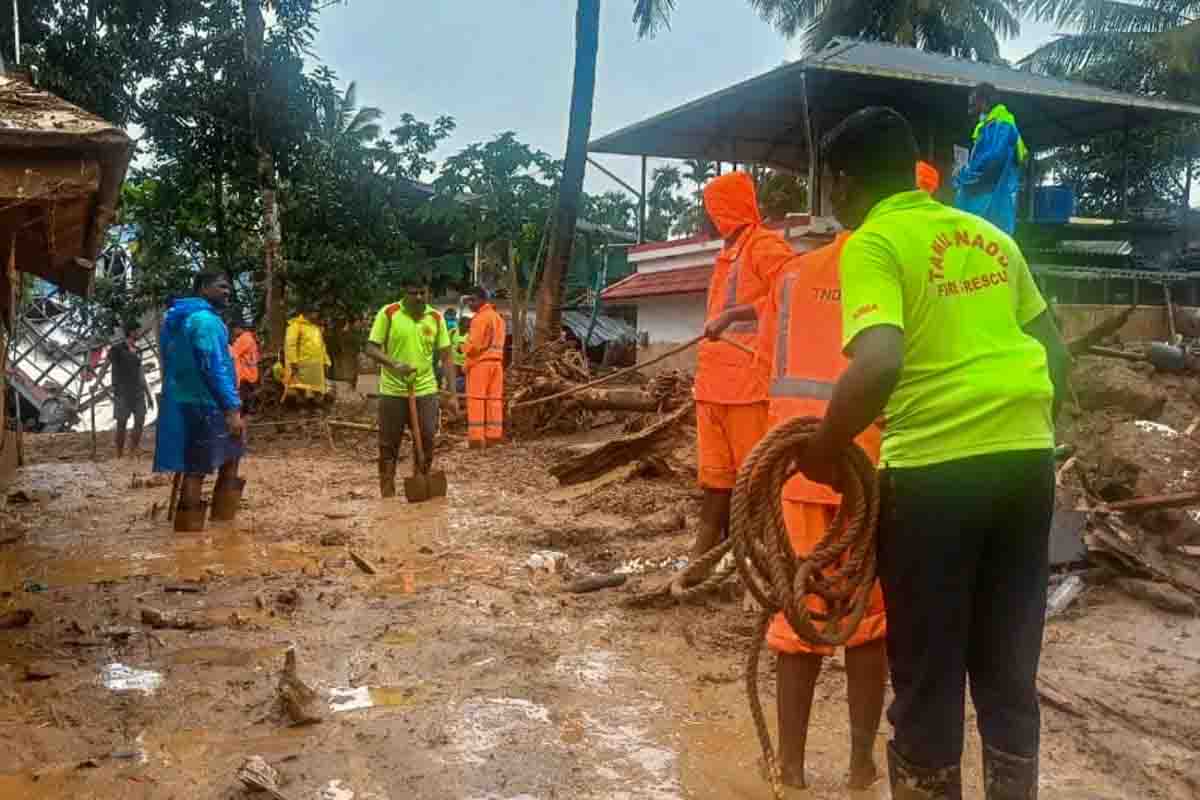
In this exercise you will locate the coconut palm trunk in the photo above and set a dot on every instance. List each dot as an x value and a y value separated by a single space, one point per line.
570 191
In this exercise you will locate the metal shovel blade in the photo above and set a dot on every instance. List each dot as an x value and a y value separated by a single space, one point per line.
416 488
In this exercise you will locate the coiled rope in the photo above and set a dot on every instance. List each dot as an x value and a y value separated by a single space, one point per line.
840 570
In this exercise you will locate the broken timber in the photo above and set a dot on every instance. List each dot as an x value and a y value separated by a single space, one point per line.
613 454
1099 333
1138 556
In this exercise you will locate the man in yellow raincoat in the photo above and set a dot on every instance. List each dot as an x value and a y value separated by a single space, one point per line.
304 355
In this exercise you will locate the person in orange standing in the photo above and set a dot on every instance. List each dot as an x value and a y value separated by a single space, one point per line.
245 361
731 385
800 337
484 350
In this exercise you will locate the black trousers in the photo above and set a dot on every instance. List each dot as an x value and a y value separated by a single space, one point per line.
393 419
963 559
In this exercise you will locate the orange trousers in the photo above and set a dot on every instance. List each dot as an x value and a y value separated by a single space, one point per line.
806 525
485 401
725 436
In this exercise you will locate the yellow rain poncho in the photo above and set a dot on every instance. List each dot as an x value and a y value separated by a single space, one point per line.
305 356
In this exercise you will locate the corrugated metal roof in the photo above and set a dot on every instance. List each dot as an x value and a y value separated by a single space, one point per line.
607 329
689 280
760 120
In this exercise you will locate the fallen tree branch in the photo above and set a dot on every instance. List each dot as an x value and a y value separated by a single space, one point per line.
1177 500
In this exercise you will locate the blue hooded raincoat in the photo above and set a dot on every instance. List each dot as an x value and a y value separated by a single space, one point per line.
199 386
987 186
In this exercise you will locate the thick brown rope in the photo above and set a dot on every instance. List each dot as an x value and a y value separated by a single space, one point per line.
840 570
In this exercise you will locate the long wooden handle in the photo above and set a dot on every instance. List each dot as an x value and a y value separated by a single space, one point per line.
415 424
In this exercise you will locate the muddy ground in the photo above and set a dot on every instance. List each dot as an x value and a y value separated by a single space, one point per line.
456 671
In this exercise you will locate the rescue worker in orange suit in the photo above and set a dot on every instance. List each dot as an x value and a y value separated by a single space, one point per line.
731 385
245 361
484 350
800 337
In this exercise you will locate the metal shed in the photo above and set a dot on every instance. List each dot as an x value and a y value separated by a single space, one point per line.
762 120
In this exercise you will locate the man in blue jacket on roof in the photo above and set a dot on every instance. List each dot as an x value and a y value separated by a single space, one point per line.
200 428
987 185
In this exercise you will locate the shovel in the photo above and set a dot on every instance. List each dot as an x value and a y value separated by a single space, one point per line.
421 486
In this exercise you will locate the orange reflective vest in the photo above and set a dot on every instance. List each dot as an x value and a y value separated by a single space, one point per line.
741 275
802 332
486 340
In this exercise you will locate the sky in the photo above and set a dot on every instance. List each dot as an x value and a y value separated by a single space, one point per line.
498 65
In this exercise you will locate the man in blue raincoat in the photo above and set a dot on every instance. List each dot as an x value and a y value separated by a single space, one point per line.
987 185
200 428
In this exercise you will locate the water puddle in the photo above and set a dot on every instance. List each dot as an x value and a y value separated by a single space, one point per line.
360 697
630 758
118 677
486 724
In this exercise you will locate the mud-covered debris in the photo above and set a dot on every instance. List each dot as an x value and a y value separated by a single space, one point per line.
168 620
1102 383
185 588
300 702
44 670
152 481
259 776
335 539
288 599
17 618
1162 596
552 561
339 515
1063 595
665 521
24 496
363 564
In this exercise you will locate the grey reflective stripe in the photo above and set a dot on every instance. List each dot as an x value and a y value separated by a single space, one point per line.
801 387
785 322
745 326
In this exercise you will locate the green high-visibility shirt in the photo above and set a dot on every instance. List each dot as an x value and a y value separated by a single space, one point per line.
973 382
412 342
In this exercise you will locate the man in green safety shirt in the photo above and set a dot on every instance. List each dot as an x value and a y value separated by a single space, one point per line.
951 341
405 338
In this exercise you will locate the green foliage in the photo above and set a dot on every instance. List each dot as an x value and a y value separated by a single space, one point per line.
664 205
964 28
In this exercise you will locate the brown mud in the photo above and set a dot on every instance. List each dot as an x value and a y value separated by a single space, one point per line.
457 671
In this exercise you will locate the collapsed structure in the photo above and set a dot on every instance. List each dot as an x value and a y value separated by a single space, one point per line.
61 170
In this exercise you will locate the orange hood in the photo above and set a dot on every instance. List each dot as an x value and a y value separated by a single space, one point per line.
732 202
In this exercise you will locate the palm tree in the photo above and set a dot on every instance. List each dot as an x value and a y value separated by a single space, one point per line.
342 121
648 16
964 28
1144 34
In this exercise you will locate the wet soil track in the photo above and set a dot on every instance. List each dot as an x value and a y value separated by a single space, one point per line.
456 671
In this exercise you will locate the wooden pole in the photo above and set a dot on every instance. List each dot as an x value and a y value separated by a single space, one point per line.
641 231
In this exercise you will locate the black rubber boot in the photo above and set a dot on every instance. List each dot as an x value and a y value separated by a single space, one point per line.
226 499
1009 777
387 478
911 782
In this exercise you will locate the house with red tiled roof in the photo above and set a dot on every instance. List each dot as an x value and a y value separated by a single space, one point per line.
668 290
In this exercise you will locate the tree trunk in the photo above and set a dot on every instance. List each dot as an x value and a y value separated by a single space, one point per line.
272 258
583 90
519 305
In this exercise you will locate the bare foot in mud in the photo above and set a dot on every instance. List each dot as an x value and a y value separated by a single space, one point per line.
863 774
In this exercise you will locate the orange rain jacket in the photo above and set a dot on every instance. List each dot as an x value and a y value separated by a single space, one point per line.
741 276
486 339
245 358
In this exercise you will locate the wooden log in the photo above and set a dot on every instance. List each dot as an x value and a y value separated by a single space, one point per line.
594 583
1178 500
1100 332
1106 535
1162 596
357 426
622 399
616 452
1109 352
